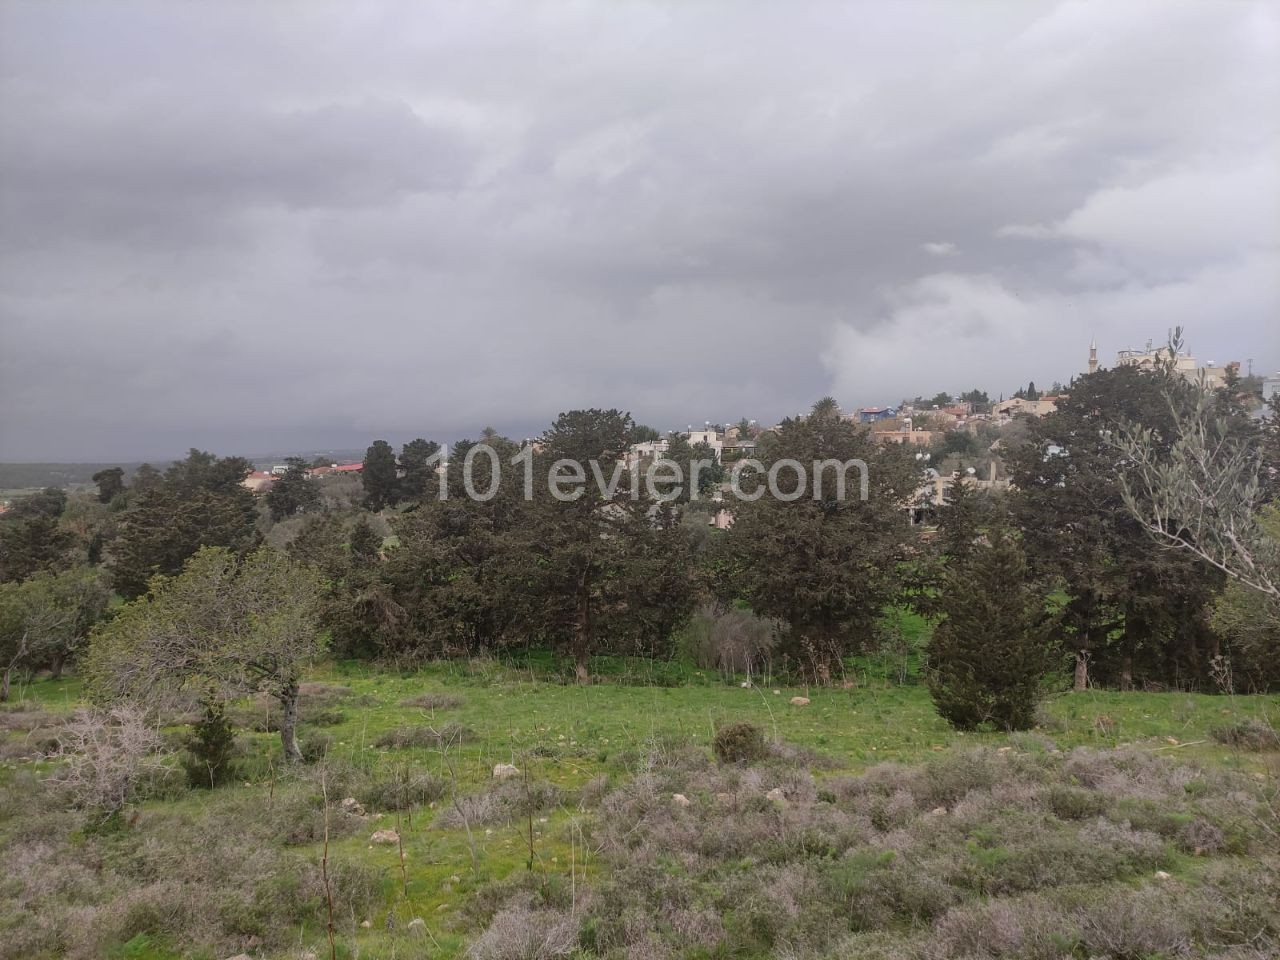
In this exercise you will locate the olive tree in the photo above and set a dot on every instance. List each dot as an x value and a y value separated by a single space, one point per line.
1203 491
44 619
217 630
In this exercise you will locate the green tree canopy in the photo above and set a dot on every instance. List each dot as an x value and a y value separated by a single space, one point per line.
293 492
220 628
110 483
993 648
380 477
419 480
1130 609
44 619
825 565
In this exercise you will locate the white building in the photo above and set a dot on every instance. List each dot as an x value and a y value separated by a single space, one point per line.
1271 386
710 437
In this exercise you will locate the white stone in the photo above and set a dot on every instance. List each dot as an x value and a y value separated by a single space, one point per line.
385 836
680 800
799 701
505 771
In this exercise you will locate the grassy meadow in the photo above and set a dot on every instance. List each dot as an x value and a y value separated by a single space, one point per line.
211 873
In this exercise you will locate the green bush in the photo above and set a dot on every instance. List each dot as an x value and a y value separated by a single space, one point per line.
739 743
211 751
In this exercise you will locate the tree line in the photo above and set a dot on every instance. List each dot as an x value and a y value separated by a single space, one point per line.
1058 576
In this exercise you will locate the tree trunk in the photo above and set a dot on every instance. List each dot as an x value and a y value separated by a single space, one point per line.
1082 670
289 722
582 645
56 668
1126 672
4 685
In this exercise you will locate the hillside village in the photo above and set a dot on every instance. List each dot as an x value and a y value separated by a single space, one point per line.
957 439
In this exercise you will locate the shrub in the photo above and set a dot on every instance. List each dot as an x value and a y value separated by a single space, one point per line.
518 933
399 788
448 735
315 745
739 743
433 701
1251 734
735 641
107 758
211 749
503 802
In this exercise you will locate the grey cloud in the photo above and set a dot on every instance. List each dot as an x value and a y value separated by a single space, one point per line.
301 220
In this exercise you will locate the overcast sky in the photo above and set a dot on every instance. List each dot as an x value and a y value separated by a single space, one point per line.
260 226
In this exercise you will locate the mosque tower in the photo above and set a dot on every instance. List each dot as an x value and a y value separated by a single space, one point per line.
1093 356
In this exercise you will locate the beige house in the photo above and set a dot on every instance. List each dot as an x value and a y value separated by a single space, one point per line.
1016 405
905 435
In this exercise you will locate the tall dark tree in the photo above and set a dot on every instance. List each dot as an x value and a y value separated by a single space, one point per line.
201 502
1132 611
457 560
380 477
30 545
356 608
826 565
989 656
588 557
293 491
145 479
962 520
418 480
110 483
201 470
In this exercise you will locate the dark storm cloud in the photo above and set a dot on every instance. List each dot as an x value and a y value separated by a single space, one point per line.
256 227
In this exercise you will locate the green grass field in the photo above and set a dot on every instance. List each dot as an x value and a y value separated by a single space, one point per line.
568 735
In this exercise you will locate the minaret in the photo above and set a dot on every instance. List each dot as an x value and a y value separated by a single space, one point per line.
1093 356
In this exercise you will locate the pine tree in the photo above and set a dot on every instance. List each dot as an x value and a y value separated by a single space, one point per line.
211 749
588 582
990 654
110 483
379 476
418 480
825 565
293 492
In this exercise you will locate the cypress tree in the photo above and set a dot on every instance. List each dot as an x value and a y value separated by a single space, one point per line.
379 476
989 656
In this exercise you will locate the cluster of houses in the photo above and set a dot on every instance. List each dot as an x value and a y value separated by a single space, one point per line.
923 426
914 425
260 481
